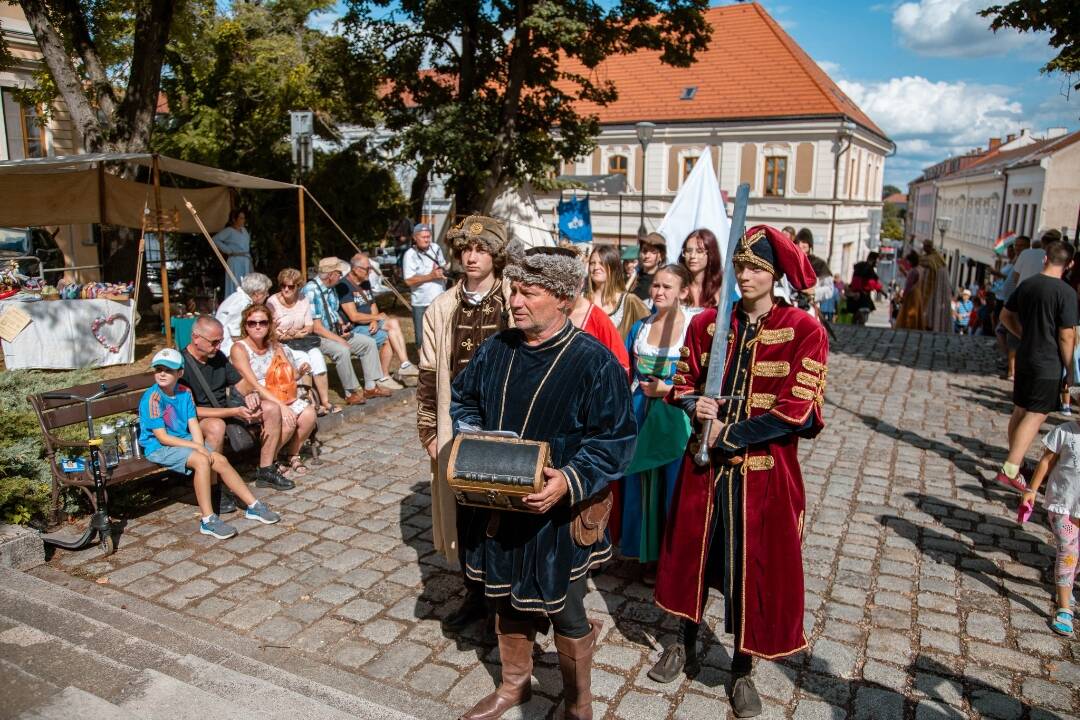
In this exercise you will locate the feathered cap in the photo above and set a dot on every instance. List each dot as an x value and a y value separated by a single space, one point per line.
556 269
767 248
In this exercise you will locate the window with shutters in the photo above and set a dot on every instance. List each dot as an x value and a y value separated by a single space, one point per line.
775 176
618 165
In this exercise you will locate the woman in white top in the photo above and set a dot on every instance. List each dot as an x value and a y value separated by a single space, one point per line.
607 289
263 363
253 290
654 347
294 326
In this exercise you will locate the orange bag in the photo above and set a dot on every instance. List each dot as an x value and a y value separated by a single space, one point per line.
281 377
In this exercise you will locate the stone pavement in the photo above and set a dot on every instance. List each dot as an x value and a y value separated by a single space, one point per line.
924 598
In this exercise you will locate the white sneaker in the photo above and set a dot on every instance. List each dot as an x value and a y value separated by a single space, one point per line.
409 370
389 383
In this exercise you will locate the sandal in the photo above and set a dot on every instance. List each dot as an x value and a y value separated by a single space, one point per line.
1063 622
297 465
325 410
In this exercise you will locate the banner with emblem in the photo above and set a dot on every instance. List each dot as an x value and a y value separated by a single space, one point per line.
575 223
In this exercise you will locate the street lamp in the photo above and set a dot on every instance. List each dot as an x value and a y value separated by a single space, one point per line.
943 224
644 135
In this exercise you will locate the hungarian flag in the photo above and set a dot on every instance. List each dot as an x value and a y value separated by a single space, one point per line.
1004 242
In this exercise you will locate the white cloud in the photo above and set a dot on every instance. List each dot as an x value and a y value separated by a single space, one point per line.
940 113
953 28
831 68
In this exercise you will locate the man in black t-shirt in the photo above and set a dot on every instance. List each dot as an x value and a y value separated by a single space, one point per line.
202 357
1042 312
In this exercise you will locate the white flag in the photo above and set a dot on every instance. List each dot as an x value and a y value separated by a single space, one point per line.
698 204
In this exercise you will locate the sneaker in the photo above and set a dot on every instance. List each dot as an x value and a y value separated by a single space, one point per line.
409 370
260 512
1066 410
216 527
388 383
270 477
1017 483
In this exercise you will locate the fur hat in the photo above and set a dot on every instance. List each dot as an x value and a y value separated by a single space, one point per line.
558 270
488 233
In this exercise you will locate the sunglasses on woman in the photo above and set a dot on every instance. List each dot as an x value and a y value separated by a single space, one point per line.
258 323
287 286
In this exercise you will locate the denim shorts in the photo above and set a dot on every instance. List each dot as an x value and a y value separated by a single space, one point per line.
174 458
379 336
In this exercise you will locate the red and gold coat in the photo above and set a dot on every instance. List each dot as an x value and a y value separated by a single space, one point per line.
787 369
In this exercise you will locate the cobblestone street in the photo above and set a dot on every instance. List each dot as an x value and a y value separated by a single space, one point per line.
925 598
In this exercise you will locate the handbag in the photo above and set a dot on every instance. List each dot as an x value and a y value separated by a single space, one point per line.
303 344
281 377
590 518
240 439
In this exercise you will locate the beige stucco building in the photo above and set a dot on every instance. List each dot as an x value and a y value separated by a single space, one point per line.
771 118
24 137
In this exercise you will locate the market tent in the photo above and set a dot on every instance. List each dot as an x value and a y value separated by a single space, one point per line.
76 189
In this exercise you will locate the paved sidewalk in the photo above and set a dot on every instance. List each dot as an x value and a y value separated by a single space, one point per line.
924 598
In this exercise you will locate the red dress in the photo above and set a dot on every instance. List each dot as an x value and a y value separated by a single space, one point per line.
599 325
780 370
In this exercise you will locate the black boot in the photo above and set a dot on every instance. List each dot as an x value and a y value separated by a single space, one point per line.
745 701
270 477
679 657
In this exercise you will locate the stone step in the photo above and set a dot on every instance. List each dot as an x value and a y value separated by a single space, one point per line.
140 654
163 697
117 629
20 690
71 702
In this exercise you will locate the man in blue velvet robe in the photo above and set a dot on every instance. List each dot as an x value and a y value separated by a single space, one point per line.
544 380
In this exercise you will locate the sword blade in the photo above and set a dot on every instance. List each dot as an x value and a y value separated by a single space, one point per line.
714 379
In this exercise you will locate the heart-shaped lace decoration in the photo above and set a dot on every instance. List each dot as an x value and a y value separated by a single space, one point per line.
102 321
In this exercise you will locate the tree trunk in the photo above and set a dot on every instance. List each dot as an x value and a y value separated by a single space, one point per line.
419 189
135 117
67 80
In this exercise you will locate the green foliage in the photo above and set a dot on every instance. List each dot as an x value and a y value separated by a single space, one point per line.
892 222
1061 18
483 92
24 473
890 190
231 84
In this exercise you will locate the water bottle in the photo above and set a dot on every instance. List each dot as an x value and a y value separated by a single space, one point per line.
123 440
109 447
133 435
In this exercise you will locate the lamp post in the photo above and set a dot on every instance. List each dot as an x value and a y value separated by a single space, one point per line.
943 224
644 135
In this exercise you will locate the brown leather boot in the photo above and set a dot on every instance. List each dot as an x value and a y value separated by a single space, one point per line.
516 638
575 664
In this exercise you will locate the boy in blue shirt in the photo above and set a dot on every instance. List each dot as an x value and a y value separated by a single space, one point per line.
170 436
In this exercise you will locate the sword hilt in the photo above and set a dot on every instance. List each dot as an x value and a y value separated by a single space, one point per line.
701 457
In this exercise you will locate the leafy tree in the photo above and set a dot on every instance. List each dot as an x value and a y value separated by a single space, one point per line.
890 190
230 87
477 91
892 222
1061 18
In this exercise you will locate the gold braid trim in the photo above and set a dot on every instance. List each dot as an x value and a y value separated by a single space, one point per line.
814 366
809 380
758 462
684 351
779 368
682 367
711 329
802 393
749 258
704 358
762 400
776 337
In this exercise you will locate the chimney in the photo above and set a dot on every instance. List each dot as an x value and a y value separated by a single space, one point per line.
995 143
1010 137
1056 132
1025 132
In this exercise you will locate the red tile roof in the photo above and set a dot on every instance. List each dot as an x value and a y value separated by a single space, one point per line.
752 69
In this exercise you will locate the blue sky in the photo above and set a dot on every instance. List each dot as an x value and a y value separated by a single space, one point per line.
929 72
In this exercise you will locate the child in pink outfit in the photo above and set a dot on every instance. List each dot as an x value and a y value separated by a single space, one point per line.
1060 466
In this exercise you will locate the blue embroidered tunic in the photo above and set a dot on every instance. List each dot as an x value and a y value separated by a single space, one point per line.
571 392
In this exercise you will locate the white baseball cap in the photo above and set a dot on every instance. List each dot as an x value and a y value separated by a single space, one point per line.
168 357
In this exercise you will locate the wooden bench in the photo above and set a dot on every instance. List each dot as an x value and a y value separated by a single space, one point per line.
57 414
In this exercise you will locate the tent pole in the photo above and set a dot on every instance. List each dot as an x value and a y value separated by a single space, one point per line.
161 250
303 238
